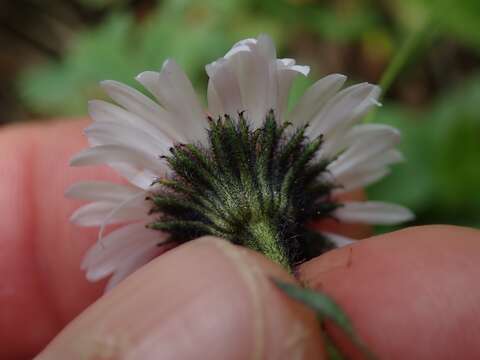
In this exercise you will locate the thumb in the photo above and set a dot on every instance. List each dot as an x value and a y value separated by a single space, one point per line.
206 299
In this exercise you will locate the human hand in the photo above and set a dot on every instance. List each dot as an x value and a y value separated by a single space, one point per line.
410 294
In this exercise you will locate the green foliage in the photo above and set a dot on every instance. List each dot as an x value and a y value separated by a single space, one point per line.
345 24
440 179
120 49
64 88
194 33
456 18
462 20
336 21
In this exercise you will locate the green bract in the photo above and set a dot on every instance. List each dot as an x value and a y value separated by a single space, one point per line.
256 188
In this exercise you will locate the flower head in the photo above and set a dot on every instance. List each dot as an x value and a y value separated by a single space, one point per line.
246 170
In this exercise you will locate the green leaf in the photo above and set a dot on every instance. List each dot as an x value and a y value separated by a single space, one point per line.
455 18
331 350
325 308
322 304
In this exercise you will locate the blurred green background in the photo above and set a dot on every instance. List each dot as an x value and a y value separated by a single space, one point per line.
55 52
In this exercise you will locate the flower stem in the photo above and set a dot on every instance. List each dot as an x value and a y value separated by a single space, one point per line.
402 57
266 239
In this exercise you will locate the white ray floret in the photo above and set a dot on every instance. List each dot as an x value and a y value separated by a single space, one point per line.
373 212
338 240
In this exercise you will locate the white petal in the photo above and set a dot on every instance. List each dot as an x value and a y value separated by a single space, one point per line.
333 144
373 212
242 45
344 109
366 147
250 78
225 86
175 92
365 133
266 49
96 213
365 173
255 75
236 49
138 176
115 133
117 239
289 64
100 191
315 98
136 204
370 131
104 112
92 214
360 179
302 69
150 81
285 76
362 153
286 62
131 265
107 154
285 80
110 253
127 166
137 103
389 157
338 240
215 107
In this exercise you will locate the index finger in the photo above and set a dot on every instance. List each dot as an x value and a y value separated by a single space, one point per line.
41 283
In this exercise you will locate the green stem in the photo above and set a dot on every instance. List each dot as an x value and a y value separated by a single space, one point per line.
400 60
266 239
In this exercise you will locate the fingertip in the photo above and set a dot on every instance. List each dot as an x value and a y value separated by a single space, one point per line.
411 293
206 299
41 250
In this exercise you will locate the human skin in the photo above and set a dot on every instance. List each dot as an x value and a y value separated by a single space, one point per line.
411 294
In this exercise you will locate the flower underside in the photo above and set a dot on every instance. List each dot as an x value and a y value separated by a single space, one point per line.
258 189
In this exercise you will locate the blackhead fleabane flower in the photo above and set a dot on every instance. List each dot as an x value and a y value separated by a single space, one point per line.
245 169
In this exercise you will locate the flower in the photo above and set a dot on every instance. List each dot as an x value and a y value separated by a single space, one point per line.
240 171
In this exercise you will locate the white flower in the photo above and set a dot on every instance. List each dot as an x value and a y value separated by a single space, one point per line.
130 137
